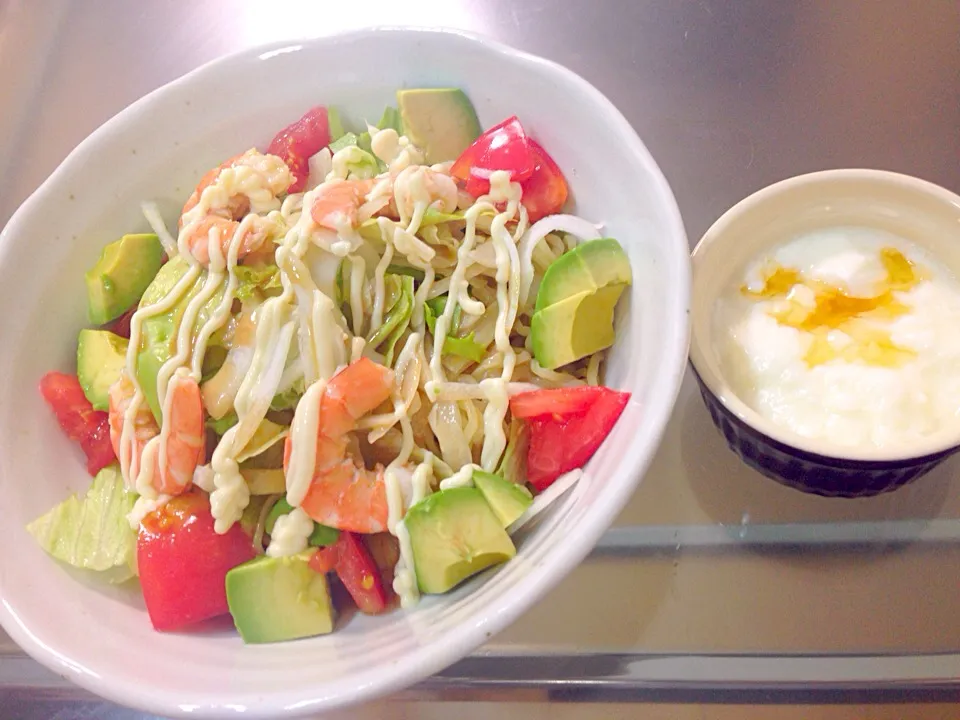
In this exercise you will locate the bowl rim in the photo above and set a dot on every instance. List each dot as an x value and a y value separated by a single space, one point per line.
708 368
503 610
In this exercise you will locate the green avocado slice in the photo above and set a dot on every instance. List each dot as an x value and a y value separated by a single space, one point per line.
575 327
274 599
455 534
507 500
158 333
590 265
440 121
120 276
101 356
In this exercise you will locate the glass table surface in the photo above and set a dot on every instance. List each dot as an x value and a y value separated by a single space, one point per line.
714 583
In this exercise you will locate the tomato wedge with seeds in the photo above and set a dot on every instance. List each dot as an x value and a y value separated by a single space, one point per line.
183 562
545 191
297 142
561 442
502 147
358 572
87 427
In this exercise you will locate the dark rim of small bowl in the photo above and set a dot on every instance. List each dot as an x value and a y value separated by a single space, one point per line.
828 460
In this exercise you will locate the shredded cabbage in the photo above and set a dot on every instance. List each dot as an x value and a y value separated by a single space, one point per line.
93 533
465 347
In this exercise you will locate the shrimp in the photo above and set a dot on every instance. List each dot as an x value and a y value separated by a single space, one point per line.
423 185
212 214
183 435
216 231
182 439
343 493
336 203
144 426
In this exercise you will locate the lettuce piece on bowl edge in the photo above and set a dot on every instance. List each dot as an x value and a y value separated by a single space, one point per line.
93 533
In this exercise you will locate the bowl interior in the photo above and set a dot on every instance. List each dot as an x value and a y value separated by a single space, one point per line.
157 149
913 209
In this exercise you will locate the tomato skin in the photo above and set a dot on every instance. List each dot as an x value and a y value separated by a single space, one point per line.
560 443
297 142
502 147
507 147
183 562
85 426
554 401
324 560
545 191
357 570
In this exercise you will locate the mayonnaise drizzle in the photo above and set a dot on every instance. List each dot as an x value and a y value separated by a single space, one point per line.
291 533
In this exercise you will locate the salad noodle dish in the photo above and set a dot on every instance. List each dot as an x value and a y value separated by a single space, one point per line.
357 362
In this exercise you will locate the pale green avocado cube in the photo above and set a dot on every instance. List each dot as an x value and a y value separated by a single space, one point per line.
590 265
275 599
101 356
507 500
440 121
575 327
120 276
158 333
455 534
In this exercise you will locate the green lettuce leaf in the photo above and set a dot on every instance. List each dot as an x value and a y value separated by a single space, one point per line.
253 281
465 347
348 139
391 119
416 273
288 399
432 216
92 533
223 424
334 123
397 319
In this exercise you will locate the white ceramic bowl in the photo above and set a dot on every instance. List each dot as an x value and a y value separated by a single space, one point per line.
99 636
905 206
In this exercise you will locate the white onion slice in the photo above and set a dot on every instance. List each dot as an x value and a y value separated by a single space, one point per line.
570 224
542 501
152 213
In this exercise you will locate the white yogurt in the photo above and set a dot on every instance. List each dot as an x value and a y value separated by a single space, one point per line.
877 379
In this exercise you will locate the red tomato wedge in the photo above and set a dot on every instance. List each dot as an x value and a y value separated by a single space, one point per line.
356 569
502 147
296 143
324 560
561 442
183 562
554 401
507 147
544 192
85 426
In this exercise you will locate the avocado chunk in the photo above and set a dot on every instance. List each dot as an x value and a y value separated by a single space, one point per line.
118 279
275 599
573 315
158 333
101 356
590 265
321 535
440 121
455 534
575 327
507 500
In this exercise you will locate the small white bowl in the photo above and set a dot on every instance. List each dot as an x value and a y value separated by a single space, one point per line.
99 636
913 209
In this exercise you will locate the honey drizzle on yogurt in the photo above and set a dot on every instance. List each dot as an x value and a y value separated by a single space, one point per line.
823 310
